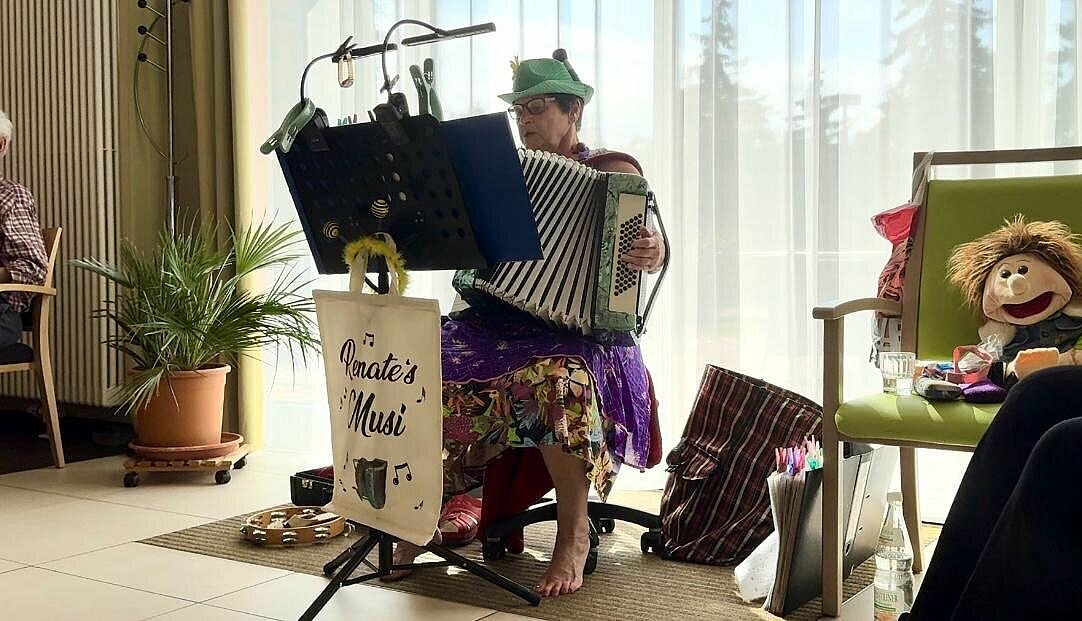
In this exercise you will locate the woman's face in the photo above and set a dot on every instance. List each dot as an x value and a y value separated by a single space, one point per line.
546 130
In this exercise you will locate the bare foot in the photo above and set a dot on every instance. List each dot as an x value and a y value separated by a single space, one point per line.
404 554
564 575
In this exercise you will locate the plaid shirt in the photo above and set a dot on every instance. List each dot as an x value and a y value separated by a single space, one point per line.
22 250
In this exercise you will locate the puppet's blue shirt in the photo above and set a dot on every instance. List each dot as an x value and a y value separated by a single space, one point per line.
1059 331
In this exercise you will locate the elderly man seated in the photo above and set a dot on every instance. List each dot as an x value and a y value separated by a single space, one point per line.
22 251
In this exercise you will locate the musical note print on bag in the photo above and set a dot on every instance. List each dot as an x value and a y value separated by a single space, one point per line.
409 473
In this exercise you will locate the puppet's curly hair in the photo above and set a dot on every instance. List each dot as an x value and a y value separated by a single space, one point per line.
972 262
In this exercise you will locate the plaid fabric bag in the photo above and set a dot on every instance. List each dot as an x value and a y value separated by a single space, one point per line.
716 507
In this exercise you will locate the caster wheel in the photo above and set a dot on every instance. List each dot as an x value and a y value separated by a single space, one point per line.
240 463
222 477
591 562
131 479
651 542
493 550
606 526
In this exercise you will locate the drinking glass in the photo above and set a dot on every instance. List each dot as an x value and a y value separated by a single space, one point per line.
897 368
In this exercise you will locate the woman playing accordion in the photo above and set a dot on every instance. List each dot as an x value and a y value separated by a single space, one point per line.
581 408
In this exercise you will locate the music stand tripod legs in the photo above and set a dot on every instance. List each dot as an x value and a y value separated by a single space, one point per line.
343 566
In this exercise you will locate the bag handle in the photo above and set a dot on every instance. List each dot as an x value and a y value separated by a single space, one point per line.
921 176
357 255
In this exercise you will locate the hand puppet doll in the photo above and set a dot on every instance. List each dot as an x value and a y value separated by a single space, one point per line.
1026 277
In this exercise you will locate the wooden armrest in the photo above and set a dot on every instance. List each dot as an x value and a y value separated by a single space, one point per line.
838 309
13 287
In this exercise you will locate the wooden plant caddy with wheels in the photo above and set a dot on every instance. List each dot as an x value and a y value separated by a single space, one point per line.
219 465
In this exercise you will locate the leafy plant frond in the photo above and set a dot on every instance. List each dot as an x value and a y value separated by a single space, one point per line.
104 270
265 246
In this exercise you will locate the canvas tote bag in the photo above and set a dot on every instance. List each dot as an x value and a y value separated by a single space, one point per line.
381 356
716 507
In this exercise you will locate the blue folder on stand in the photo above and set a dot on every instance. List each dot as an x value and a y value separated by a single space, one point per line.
490 179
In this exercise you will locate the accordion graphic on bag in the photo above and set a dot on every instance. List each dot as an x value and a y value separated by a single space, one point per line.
586 219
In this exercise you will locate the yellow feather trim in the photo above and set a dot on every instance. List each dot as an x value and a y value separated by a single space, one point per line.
375 246
514 67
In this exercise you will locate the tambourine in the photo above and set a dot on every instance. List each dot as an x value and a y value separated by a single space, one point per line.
291 526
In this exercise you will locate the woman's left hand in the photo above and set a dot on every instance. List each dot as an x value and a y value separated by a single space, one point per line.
647 252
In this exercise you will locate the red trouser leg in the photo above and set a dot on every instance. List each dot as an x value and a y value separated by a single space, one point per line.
514 482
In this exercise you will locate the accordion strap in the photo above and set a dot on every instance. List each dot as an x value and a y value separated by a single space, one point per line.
651 206
600 158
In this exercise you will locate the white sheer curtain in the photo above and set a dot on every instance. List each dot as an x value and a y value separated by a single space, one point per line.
771 132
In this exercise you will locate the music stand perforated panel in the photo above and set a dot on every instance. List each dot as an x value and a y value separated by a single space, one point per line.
364 183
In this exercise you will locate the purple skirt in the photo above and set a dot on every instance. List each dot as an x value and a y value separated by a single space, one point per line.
484 345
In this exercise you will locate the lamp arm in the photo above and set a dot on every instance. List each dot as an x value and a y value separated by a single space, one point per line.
304 76
387 85
345 49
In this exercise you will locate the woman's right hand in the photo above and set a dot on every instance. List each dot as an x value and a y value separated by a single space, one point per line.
647 253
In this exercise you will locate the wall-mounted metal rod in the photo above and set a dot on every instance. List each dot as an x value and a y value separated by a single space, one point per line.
143 4
143 58
171 180
146 32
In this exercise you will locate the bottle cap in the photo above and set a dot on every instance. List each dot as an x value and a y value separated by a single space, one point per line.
894 497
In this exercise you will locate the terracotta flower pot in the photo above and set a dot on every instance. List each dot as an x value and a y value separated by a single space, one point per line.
186 410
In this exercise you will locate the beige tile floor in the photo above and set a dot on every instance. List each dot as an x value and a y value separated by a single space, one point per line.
68 551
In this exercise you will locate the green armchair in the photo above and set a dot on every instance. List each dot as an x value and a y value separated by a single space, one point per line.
934 321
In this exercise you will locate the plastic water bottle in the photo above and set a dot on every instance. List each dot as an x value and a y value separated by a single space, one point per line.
893 564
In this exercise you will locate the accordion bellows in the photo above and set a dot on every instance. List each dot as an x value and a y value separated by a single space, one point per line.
585 219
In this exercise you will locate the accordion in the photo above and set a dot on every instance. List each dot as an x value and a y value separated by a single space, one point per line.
586 219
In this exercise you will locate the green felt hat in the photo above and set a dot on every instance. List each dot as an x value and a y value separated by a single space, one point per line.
546 76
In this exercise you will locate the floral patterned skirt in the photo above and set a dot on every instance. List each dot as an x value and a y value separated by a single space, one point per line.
549 402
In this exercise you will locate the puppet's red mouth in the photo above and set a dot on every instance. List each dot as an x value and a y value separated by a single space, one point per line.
1033 307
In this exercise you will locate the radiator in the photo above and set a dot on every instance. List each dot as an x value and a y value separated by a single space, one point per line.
58 84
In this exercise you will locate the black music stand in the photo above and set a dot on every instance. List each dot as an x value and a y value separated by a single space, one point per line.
397 174
431 226
341 179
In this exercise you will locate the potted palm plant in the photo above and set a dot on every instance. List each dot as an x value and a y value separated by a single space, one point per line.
182 315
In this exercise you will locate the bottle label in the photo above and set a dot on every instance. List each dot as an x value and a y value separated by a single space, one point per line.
889 603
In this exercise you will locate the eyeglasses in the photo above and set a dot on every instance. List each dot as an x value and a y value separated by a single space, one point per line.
534 106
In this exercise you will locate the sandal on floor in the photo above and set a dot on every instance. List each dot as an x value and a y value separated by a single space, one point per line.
460 520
